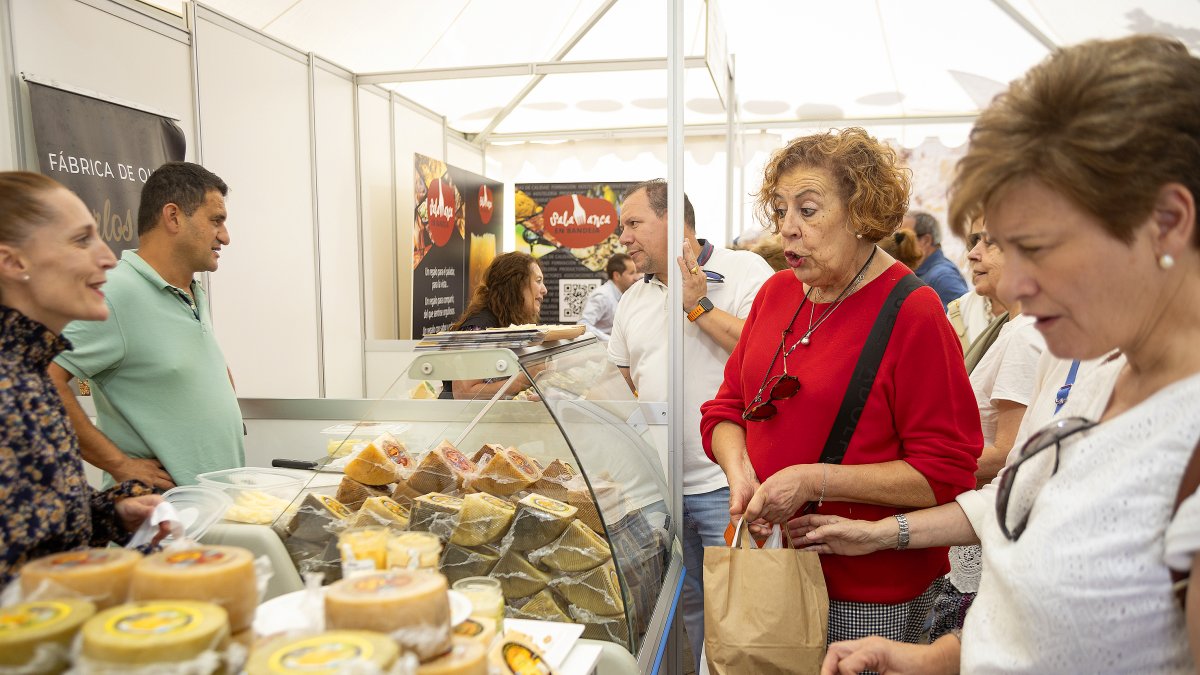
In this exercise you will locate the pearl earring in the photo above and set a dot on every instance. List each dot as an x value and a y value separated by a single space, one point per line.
25 278
1165 261
858 236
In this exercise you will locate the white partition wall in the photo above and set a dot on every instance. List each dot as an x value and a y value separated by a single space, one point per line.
378 195
254 106
416 131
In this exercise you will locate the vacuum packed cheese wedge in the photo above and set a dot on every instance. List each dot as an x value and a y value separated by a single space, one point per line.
518 577
517 655
372 466
539 521
222 575
482 519
507 471
597 591
37 635
352 493
442 469
396 452
485 452
409 605
381 512
460 562
331 653
541 607
435 512
100 575
316 518
466 657
578 549
160 631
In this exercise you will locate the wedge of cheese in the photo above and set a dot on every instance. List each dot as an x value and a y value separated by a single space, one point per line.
539 520
578 549
372 466
381 512
317 518
437 513
597 591
482 519
442 469
507 472
518 577
460 562
352 493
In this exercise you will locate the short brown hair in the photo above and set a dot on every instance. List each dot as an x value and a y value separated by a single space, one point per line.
502 291
1105 124
22 204
872 183
656 193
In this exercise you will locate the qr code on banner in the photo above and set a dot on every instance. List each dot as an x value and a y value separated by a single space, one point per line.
572 294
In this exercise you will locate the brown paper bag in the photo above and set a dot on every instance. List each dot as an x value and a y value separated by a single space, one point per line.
765 610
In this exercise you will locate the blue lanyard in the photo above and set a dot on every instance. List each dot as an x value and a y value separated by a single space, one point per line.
1064 391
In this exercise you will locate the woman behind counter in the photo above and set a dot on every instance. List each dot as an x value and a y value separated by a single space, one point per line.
1099 232
52 267
510 294
832 196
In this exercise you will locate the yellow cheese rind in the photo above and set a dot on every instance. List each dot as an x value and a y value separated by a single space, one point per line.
539 521
578 549
459 562
381 512
331 653
482 519
467 657
352 493
442 469
100 575
25 627
161 631
435 512
507 472
222 575
541 607
518 577
372 466
317 518
597 591
411 606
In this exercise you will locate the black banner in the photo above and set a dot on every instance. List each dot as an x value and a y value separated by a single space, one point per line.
456 230
103 152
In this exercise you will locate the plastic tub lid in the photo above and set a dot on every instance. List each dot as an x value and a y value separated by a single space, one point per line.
251 478
199 507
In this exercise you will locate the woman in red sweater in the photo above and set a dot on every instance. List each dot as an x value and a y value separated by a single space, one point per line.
832 196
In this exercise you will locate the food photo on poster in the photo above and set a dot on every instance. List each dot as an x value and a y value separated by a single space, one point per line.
455 231
571 229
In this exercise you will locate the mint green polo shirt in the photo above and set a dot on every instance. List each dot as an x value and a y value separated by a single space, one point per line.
157 375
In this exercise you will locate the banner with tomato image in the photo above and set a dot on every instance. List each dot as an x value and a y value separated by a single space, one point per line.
571 229
455 235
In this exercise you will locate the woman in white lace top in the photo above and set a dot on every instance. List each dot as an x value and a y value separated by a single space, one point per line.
1088 170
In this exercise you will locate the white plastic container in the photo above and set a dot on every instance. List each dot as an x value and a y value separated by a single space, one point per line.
259 495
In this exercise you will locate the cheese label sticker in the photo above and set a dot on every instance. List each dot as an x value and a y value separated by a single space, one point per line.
150 620
444 500
335 506
397 455
320 654
469 628
458 460
551 505
521 660
79 559
31 616
496 501
196 557
378 583
521 463
395 508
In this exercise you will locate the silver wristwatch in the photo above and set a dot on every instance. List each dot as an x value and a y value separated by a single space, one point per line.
902 537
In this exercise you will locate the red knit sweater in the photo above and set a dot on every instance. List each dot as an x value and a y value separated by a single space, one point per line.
920 409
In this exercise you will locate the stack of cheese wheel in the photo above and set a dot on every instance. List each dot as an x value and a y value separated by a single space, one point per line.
100 575
467 657
156 632
411 606
35 637
222 575
331 653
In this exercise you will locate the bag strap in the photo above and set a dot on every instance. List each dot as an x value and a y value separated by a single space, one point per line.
1060 399
1187 488
865 371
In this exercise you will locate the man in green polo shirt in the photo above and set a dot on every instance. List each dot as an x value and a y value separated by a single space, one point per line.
165 404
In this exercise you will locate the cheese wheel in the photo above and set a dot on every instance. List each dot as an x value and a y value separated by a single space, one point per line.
466 657
442 469
101 575
43 630
507 472
515 655
411 606
381 511
317 516
478 628
330 653
539 521
482 519
352 493
222 575
372 466
160 631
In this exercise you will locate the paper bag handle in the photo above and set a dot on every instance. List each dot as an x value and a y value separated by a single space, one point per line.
775 540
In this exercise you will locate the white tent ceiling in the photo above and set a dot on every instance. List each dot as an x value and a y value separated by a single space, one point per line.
796 61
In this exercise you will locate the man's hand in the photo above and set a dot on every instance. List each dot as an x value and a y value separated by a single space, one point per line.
695 284
149 471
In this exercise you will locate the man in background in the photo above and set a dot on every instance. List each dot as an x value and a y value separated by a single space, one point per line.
165 404
601 305
935 268
719 286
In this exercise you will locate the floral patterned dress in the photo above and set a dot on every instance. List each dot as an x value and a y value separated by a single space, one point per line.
48 505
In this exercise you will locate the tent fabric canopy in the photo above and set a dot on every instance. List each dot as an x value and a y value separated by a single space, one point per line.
897 61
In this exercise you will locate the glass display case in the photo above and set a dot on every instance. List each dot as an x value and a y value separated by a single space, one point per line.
545 481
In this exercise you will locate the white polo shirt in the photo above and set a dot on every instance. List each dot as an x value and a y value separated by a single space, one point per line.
639 342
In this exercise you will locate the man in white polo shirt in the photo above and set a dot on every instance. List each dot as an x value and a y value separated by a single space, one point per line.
719 286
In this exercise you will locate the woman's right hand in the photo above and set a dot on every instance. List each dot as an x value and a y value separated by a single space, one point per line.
741 489
841 536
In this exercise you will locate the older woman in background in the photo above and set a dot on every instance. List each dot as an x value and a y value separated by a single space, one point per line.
1082 530
510 294
832 196
52 268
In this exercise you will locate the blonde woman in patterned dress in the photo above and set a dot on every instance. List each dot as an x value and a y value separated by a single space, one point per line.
52 270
